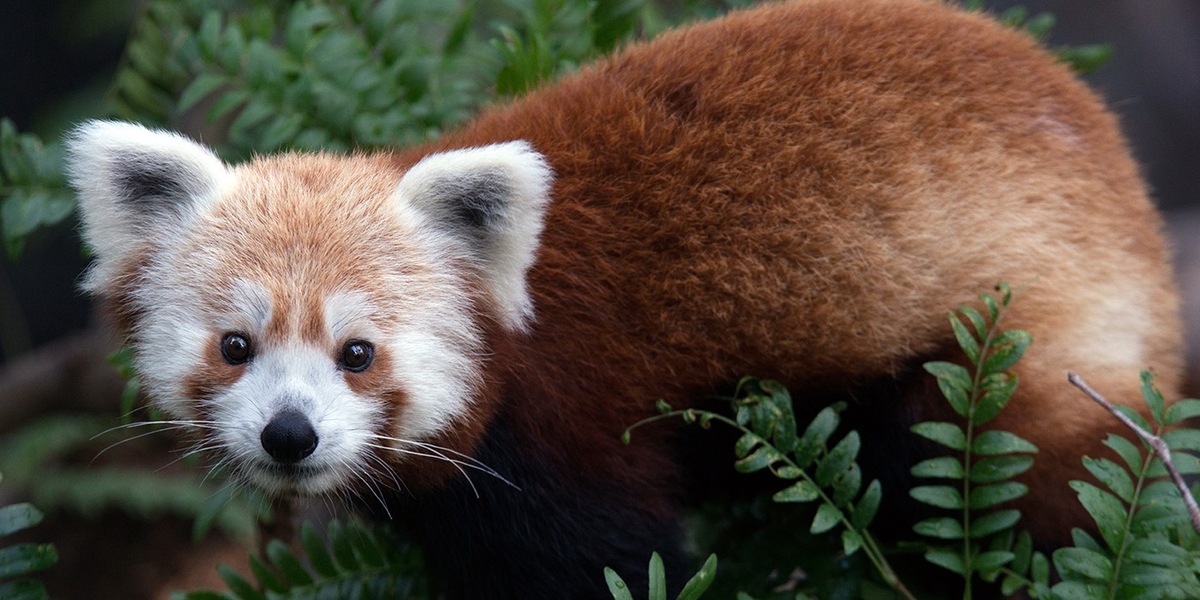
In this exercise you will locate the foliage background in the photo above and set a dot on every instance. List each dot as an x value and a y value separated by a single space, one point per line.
57 61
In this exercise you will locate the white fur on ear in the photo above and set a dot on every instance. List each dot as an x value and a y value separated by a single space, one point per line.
136 184
492 199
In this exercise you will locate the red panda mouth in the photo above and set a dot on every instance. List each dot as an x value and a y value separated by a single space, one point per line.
276 478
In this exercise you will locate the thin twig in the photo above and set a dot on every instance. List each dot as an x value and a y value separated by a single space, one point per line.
1156 443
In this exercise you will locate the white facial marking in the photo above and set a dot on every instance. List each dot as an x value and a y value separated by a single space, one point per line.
349 315
302 378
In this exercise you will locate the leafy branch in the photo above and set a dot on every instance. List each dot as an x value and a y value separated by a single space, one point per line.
830 476
693 589
1150 547
22 559
356 562
989 459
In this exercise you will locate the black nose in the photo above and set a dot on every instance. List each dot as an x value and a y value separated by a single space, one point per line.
289 437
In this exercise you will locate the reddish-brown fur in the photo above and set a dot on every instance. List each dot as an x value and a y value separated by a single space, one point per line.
761 195
802 192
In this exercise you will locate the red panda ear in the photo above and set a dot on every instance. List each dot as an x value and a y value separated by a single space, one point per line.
491 200
136 185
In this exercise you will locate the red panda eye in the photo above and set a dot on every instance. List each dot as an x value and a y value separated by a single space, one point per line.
235 348
357 356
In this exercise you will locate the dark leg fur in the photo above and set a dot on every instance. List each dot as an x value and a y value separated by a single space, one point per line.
551 539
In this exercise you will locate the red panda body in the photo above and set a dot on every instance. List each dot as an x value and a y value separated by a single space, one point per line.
800 191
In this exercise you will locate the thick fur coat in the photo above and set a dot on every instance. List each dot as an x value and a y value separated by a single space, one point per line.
800 191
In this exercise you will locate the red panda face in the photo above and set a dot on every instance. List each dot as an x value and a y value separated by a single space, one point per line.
314 319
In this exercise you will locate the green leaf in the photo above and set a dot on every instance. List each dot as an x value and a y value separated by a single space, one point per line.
943 467
976 320
942 528
200 88
1089 563
998 389
700 582
966 341
801 491
954 382
1126 450
1111 475
342 545
1087 57
826 518
1153 397
256 111
987 496
283 559
995 442
15 517
1078 590
947 559
265 576
314 548
868 505
991 561
851 541
1134 416
846 486
238 585
1022 552
941 496
838 460
1083 539
26 558
946 434
816 435
994 522
1007 348
1187 440
23 590
1181 411
999 468
1160 552
616 585
1136 574
209 34
746 443
658 578
993 308
758 460
1106 509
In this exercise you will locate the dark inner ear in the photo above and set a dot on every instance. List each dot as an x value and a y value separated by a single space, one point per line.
477 201
150 185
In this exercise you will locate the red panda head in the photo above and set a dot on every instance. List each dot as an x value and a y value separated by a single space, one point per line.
307 315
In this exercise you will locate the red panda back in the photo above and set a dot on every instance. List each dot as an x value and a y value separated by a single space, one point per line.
803 191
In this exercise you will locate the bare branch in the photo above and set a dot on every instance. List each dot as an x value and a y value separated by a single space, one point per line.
1156 443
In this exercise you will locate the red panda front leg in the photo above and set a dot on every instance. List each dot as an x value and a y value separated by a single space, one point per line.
550 538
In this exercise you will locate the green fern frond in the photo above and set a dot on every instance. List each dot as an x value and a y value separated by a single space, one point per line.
21 560
693 589
356 562
825 475
1147 547
980 476
33 189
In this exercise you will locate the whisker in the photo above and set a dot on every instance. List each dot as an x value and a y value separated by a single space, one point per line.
467 461
175 424
130 439
456 463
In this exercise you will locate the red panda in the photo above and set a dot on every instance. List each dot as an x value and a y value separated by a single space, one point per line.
460 332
